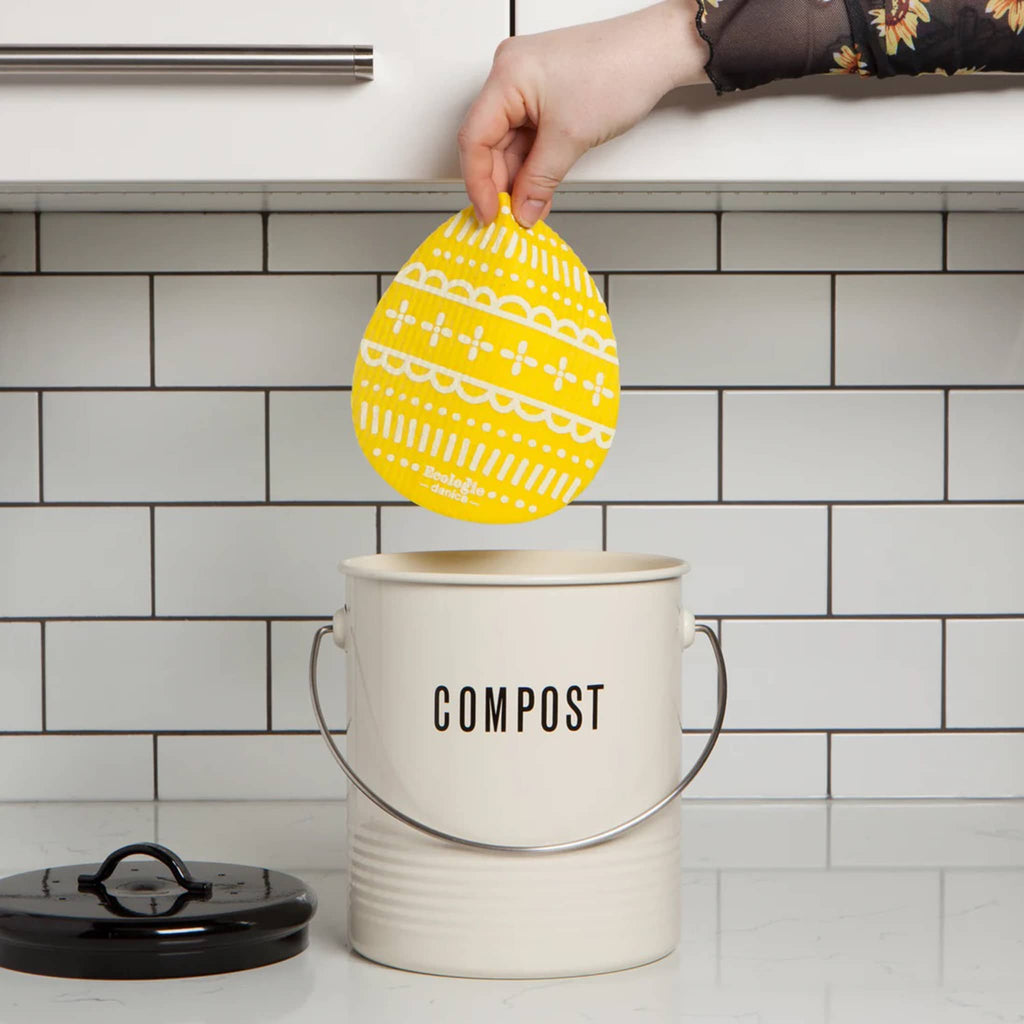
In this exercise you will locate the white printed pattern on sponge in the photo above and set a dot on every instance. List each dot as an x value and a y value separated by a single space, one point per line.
529 251
518 358
475 392
434 442
508 307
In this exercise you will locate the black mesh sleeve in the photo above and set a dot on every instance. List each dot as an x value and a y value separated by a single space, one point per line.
753 42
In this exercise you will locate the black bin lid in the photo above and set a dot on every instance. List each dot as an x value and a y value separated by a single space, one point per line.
164 920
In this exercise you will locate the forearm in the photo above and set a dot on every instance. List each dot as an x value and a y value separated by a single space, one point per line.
757 41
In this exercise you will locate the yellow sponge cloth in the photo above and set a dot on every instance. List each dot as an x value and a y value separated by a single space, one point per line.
487 383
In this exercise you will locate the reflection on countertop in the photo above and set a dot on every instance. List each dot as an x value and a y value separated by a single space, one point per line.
793 913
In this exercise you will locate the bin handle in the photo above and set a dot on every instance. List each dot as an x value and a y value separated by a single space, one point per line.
574 844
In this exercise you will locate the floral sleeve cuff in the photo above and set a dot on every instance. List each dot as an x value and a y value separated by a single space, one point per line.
753 42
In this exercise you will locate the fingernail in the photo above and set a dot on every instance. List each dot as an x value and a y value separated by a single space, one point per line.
476 213
530 211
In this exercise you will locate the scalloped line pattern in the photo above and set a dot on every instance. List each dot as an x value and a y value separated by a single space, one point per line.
475 392
583 338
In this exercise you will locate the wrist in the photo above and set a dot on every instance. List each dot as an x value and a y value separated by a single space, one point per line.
685 52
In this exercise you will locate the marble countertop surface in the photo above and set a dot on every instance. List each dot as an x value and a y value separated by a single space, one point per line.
793 913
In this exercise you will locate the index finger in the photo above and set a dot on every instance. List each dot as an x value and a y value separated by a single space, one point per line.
484 128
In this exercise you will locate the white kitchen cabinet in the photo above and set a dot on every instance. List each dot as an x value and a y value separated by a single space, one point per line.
87 128
186 141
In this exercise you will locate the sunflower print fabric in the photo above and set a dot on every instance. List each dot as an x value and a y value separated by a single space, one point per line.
753 42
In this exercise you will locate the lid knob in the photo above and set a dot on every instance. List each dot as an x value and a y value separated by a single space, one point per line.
167 857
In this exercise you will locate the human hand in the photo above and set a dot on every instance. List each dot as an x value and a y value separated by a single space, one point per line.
552 96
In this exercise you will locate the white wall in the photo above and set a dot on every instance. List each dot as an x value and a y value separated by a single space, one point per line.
824 413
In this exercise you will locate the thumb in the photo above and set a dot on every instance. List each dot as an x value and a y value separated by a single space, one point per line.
553 152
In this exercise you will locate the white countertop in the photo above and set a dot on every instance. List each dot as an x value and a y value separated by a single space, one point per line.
793 913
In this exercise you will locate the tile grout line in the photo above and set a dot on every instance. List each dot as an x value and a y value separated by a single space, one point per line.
900 731
265 239
828 561
721 448
945 240
152 561
42 675
511 17
39 431
619 271
718 241
832 330
663 503
377 527
270 688
604 527
38 220
152 331
942 677
691 388
828 764
945 444
266 445
821 617
156 773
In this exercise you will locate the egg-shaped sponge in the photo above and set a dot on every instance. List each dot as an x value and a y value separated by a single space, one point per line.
487 383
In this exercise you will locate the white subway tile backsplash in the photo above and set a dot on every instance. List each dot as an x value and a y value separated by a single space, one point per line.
260 330
151 241
251 403
985 241
928 559
698 329
828 674
289 667
984 680
265 561
153 446
845 445
929 329
640 241
831 241
772 766
76 767
665 449
314 454
74 331
261 767
416 529
156 675
20 677
986 453
746 559
17 242
347 241
74 561
950 764
19 446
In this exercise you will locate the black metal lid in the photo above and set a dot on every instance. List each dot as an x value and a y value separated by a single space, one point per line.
137 921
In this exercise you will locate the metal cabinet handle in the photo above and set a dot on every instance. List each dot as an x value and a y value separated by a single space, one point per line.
335 61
